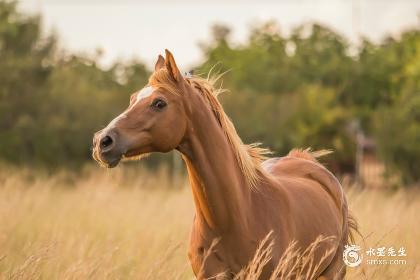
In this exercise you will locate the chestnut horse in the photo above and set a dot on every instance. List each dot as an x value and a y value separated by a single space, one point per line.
239 198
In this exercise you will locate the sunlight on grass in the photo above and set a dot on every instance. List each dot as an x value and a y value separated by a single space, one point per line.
133 224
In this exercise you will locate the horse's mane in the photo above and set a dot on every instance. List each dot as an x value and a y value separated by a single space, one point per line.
250 156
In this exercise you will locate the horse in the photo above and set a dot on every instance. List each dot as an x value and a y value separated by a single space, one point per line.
240 196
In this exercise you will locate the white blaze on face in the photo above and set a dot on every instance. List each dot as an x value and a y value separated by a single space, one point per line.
114 122
145 92
142 94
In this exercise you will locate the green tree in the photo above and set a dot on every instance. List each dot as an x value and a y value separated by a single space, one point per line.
52 103
397 126
24 69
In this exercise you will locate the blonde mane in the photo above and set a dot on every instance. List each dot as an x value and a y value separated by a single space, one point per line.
249 157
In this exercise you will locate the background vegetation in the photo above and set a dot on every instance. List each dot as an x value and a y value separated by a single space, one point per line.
311 88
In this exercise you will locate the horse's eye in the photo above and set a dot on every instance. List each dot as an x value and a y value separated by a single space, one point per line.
158 104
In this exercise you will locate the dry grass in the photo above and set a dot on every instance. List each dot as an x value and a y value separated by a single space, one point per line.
294 264
131 225
389 219
93 228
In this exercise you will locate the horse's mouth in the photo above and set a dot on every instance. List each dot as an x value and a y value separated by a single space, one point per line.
108 162
112 160
134 156
113 163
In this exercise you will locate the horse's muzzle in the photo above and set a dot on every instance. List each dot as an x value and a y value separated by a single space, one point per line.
105 149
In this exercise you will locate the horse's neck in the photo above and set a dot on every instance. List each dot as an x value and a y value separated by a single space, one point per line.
220 190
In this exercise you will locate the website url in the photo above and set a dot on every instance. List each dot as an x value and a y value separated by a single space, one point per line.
385 262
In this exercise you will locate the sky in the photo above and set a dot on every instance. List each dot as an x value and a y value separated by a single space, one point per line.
126 29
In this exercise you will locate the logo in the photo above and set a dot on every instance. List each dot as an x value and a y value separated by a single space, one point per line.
351 256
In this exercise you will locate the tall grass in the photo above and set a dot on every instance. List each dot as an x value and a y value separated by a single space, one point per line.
133 224
294 264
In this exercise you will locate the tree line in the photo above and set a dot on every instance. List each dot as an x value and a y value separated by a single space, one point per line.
310 88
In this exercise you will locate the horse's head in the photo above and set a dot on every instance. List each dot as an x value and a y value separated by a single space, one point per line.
155 120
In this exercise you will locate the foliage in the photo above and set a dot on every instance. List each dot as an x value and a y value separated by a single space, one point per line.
398 135
308 88
52 103
300 90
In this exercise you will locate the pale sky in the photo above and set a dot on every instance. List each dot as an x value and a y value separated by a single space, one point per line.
124 29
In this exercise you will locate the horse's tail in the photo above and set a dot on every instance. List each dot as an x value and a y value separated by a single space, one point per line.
308 154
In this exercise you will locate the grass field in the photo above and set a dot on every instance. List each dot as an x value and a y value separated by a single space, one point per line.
119 224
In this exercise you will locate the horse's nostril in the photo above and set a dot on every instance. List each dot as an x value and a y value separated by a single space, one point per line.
106 142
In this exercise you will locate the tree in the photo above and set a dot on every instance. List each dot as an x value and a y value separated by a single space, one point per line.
51 103
397 126
24 69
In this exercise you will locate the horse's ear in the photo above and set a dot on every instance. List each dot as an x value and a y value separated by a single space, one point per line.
159 63
171 66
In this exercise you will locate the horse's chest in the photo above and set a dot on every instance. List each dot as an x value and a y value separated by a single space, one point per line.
205 253
210 254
